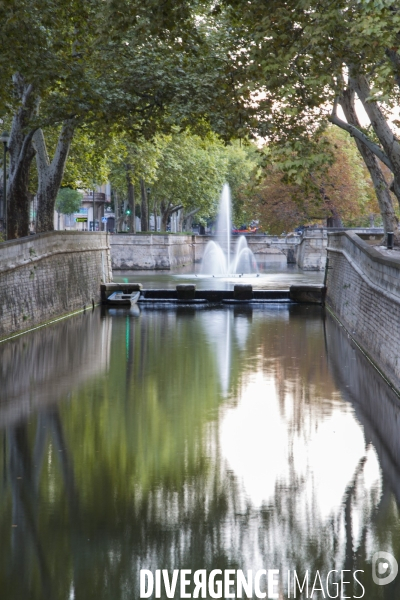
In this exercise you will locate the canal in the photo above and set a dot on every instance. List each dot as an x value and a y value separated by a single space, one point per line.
212 439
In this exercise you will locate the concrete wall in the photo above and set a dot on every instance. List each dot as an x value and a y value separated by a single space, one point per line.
137 252
363 290
48 275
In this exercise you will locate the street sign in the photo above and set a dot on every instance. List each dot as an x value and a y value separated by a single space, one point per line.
81 220
104 219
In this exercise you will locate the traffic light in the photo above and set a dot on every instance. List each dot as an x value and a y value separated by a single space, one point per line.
128 211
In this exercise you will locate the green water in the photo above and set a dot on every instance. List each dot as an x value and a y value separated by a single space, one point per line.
183 439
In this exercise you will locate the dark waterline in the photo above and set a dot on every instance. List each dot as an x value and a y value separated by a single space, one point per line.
184 439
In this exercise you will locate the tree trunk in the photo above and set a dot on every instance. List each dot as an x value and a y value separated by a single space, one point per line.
164 208
50 174
166 211
382 129
144 219
334 220
188 219
18 198
155 214
390 221
20 156
131 199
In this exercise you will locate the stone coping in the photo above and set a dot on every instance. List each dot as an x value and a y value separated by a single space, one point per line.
371 251
34 248
37 236
122 239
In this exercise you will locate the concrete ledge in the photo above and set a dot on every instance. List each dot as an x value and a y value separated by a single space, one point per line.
308 294
27 251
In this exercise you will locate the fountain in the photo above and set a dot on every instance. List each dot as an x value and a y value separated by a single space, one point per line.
217 259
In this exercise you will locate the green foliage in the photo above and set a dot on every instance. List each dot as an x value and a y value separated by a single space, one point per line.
140 159
125 65
184 169
130 68
302 186
298 58
68 201
88 160
190 171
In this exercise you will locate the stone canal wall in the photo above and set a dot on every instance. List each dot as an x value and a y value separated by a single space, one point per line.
149 252
363 290
143 252
49 275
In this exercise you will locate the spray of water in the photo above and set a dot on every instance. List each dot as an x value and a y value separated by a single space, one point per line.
217 259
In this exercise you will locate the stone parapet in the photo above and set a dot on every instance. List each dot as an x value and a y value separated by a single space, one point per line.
363 290
163 252
151 252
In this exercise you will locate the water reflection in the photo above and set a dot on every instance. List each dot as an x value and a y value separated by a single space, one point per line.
192 439
50 363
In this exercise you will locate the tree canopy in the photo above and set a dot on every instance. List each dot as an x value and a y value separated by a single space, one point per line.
185 172
303 60
130 67
339 192
136 70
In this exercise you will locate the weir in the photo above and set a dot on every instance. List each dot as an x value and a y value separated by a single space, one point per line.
241 293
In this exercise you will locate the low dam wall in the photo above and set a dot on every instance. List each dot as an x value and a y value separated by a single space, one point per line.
142 252
49 275
363 290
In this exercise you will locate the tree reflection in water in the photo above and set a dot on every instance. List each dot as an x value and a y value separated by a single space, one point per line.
193 439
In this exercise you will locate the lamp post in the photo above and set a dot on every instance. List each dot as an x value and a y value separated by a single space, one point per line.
94 220
148 190
5 136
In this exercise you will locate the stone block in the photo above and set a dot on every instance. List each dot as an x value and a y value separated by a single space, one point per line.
185 291
243 291
308 294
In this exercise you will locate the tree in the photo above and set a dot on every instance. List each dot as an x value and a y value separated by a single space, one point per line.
68 201
190 174
338 192
242 173
131 164
304 59
136 66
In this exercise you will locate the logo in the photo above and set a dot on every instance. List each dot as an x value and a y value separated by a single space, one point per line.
384 568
